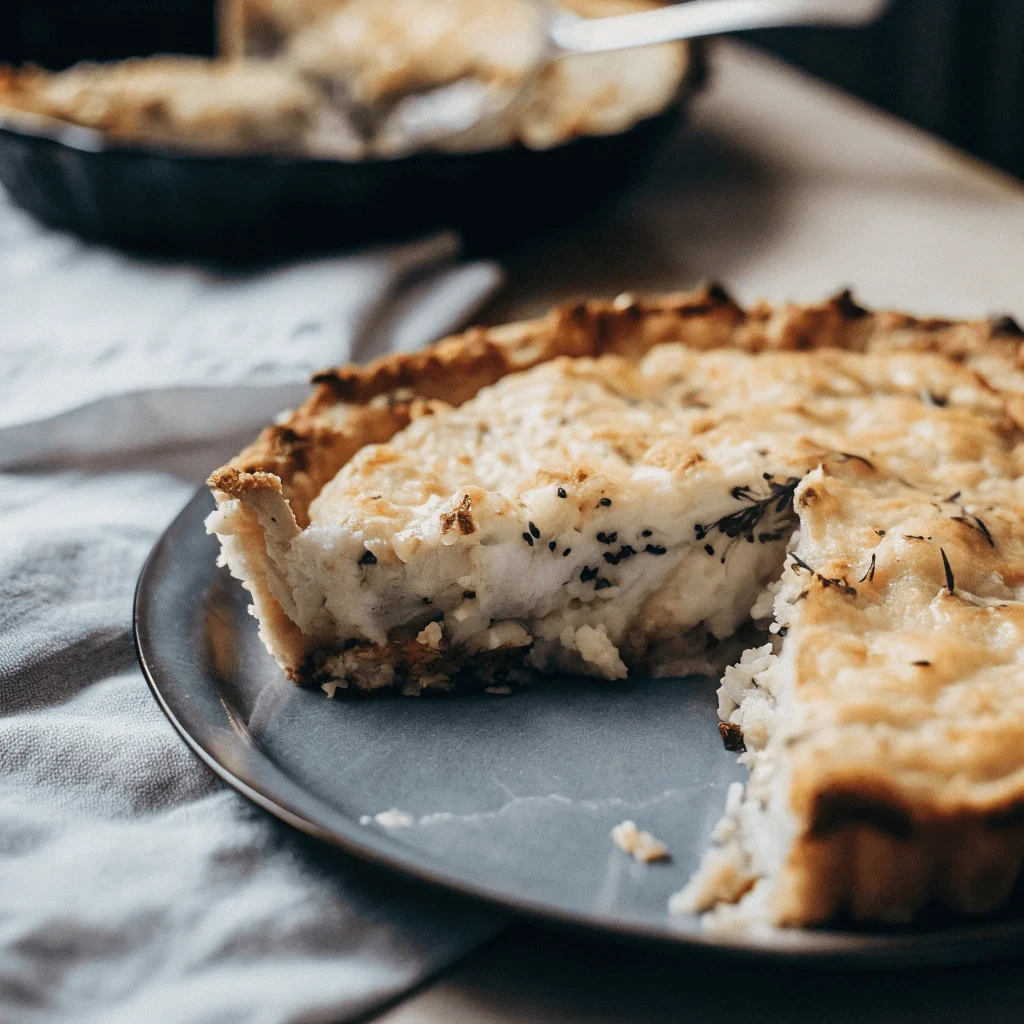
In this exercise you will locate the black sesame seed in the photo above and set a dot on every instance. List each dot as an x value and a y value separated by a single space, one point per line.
565 553
610 558
783 631
469 594
427 600
646 533
587 574
562 493
709 549
528 539
655 549
602 584
534 530
368 558
552 545
606 502
607 538
626 551
869 573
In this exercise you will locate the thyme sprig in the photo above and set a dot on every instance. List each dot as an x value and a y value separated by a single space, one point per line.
773 510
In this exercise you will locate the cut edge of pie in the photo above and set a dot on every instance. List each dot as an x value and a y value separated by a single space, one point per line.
850 810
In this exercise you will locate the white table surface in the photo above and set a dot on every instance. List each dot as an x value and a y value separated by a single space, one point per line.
784 188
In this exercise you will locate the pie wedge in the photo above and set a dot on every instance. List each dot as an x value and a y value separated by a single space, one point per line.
620 488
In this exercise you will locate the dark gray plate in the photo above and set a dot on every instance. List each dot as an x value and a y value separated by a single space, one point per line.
513 796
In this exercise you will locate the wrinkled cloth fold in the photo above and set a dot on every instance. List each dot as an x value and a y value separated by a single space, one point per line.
134 886
104 353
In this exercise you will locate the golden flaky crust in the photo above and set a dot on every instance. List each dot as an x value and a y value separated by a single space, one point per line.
866 844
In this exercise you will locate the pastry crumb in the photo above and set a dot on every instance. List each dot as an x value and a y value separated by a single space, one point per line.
430 636
722 877
642 846
389 819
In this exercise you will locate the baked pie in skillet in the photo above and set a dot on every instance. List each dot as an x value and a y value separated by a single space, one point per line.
638 486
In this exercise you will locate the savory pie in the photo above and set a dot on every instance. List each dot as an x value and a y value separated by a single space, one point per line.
345 78
618 488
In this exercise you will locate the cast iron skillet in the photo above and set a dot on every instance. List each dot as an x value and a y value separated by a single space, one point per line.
255 207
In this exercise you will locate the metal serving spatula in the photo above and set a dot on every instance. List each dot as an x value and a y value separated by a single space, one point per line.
456 108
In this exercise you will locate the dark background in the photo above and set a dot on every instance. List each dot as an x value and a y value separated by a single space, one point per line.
955 67
56 33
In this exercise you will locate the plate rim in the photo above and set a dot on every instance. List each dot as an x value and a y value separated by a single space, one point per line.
809 947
